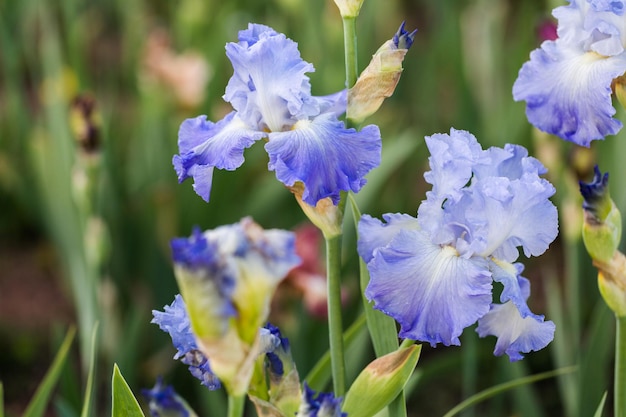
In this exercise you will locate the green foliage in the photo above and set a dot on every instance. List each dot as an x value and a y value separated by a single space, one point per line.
39 402
124 403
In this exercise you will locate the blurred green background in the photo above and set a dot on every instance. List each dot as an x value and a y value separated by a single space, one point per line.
91 96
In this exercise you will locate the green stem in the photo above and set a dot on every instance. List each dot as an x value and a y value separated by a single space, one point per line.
236 405
620 367
335 326
349 42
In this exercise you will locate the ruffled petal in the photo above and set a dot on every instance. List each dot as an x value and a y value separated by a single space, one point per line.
269 87
325 156
504 214
204 145
374 234
429 290
452 159
568 91
517 332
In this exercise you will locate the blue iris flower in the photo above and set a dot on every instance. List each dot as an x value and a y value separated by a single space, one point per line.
434 273
175 321
271 97
567 82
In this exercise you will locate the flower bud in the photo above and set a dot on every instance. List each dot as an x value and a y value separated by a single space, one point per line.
380 382
349 8
378 81
612 283
602 228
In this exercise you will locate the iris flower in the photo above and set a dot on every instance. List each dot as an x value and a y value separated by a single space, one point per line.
227 277
567 82
434 273
165 402
271 97
319 404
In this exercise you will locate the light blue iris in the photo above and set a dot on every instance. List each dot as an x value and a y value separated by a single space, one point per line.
271 96
567 82
434 273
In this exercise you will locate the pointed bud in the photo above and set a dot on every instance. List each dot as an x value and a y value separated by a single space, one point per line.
602 226
349 8
381 381
378 81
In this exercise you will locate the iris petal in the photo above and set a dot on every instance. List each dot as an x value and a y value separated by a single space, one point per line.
269 88
568 91
429 290
374 234
516 332
325 156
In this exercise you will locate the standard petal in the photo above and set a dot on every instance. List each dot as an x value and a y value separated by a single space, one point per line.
452 158
429 290
269 87
374 234
568 91
325 156
503 215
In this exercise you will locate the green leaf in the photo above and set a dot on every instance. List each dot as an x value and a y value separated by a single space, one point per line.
124 403
381 381
38 403
86 412
598 412
497 389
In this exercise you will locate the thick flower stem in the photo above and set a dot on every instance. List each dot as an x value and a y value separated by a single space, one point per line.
335 326
620 367
236 405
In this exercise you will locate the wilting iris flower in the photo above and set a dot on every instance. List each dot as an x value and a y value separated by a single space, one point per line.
271 97
434 273
227 277
567 82
175 321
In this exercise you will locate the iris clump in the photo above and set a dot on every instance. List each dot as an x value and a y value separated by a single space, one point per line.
567 82
271 96
434 273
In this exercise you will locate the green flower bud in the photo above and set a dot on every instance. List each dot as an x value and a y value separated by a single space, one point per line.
380 382
612 283
602 228
349 8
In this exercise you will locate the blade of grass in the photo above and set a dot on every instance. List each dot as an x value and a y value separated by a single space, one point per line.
87 403
1 400
600 408
37 405
500 388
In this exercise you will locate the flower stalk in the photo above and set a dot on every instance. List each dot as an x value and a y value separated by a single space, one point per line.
335 325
